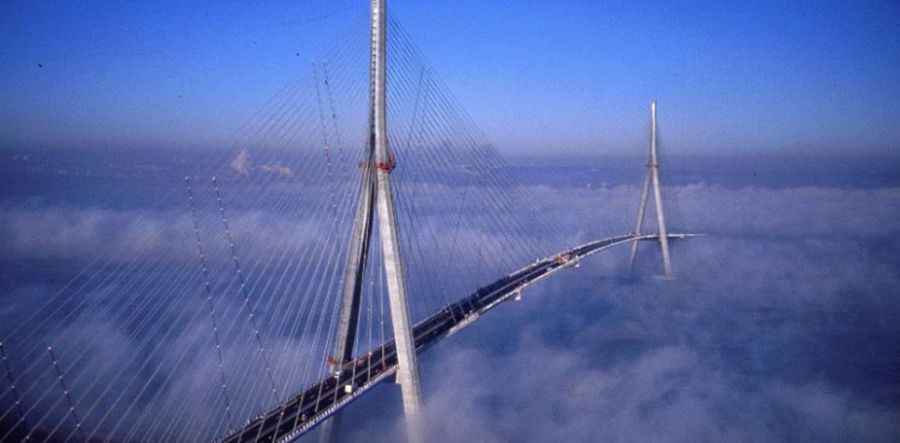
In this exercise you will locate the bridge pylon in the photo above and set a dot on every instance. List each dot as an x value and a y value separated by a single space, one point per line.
652 180
375 192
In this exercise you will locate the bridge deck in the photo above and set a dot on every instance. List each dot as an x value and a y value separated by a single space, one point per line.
304 411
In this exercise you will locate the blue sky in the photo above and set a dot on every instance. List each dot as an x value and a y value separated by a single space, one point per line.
537 76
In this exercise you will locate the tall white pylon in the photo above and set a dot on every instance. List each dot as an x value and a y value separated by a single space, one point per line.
652 179
376 191
407 366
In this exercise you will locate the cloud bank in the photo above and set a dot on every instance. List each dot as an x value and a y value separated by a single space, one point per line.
782 323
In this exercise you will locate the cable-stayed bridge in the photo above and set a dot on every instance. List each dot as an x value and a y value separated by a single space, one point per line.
358 218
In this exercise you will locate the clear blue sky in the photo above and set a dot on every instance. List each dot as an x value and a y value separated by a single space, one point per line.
537 76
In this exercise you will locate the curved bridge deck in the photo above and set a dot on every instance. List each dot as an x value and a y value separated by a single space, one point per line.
304 411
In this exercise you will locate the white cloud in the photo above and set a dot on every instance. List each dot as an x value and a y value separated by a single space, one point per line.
241 164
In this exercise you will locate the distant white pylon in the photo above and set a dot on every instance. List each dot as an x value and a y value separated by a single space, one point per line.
652 178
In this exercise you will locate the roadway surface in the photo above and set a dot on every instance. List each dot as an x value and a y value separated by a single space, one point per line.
301 413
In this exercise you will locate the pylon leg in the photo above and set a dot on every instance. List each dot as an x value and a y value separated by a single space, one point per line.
640 221
657 196
661 226
348 318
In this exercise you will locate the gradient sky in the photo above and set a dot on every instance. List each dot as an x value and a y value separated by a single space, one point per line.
569 76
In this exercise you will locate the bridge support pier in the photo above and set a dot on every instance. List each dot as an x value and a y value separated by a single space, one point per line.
652 179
